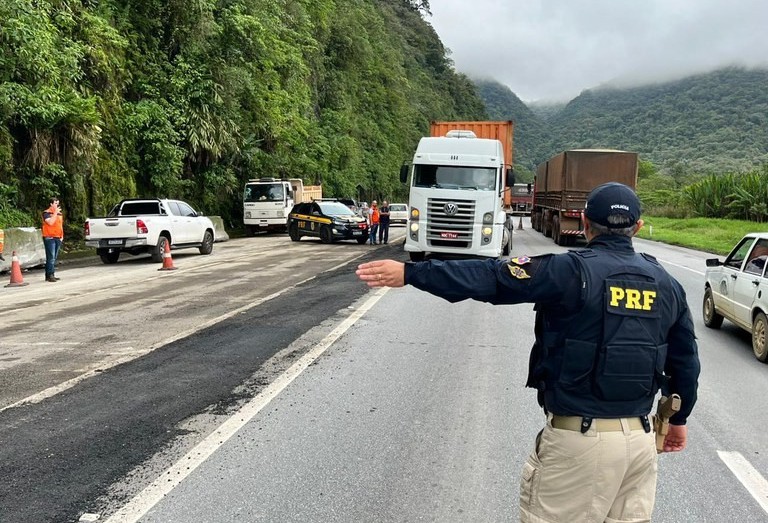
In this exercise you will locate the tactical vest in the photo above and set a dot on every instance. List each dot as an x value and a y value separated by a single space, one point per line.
606 359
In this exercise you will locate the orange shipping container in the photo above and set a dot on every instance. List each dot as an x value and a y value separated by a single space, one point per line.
502 131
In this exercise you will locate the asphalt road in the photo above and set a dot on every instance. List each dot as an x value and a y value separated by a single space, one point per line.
305 397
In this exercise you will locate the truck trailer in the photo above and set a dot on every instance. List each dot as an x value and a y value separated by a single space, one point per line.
563 183
267 202
459 175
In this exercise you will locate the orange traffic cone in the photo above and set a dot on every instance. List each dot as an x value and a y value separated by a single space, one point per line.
167 260
17 280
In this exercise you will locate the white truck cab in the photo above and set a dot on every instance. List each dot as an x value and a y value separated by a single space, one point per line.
456 202
267 202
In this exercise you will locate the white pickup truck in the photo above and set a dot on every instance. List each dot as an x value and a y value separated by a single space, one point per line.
138 226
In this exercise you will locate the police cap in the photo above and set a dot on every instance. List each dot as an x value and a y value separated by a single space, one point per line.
613 205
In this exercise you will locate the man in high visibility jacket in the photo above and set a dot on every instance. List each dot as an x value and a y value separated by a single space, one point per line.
53 235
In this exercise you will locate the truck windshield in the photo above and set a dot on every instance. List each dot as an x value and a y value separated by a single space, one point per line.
454 177
264 192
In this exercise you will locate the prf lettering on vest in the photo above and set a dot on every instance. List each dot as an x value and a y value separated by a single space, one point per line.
632 298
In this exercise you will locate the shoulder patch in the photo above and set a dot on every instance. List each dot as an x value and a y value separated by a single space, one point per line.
520 260
518 272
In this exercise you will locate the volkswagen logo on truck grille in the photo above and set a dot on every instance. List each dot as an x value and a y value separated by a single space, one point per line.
450 208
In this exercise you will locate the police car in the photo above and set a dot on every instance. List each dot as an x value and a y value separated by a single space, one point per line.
737 289
329 220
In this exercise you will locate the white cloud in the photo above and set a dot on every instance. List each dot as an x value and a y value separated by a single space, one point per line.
554 49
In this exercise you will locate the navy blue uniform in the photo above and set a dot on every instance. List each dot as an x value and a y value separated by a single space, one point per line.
607 297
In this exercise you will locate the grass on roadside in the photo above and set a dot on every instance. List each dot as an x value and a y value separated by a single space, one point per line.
714 235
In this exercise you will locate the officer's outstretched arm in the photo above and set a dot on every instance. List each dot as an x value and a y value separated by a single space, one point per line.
382 273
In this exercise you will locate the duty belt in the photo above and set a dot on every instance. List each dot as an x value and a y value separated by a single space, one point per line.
580 424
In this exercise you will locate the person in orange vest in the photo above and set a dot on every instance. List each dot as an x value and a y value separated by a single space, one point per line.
53 235
2 244
373 220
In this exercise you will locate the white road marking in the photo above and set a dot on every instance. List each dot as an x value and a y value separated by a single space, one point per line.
681 266
752 480
174 475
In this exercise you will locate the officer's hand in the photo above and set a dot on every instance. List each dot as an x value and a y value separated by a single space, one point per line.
676 438
382 273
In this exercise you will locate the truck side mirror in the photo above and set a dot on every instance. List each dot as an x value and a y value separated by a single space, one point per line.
529 188
510 177
404 173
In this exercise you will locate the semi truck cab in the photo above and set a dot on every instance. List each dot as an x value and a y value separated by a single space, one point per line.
456 197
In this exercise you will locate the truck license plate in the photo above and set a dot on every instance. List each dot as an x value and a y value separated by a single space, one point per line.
450 235
115 242
357 233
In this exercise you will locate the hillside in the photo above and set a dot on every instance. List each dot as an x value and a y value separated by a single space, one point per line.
709 123
531 135
101 101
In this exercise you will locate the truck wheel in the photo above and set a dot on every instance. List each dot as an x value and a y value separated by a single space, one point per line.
158 251
207 246
293 232
506 239
361 240
109 256
712 319
416 256
759 326
559 238
250 230
326 236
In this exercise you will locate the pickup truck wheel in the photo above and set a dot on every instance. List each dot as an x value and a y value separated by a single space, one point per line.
712 319
158 251
326 235
207 246
362 239
416 256
759 326
293 232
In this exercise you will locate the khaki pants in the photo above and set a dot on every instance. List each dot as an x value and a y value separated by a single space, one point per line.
594 477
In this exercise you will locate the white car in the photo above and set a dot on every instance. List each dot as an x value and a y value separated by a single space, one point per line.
398 213
737 289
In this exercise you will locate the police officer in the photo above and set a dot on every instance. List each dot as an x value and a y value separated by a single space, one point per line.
612 328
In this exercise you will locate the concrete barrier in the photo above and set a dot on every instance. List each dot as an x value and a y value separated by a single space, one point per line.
28 244
218 229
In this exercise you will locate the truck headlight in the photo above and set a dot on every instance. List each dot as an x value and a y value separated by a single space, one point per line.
487 231
414 214
488 218
247 214
414 227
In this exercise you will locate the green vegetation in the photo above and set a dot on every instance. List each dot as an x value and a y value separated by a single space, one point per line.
188 99
717 236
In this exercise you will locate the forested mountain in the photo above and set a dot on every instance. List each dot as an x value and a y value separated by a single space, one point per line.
531 136
105 100
708 123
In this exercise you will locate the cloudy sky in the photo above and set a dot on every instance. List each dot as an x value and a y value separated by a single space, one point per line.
551 50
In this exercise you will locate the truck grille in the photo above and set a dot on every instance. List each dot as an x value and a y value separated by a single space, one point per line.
446 230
